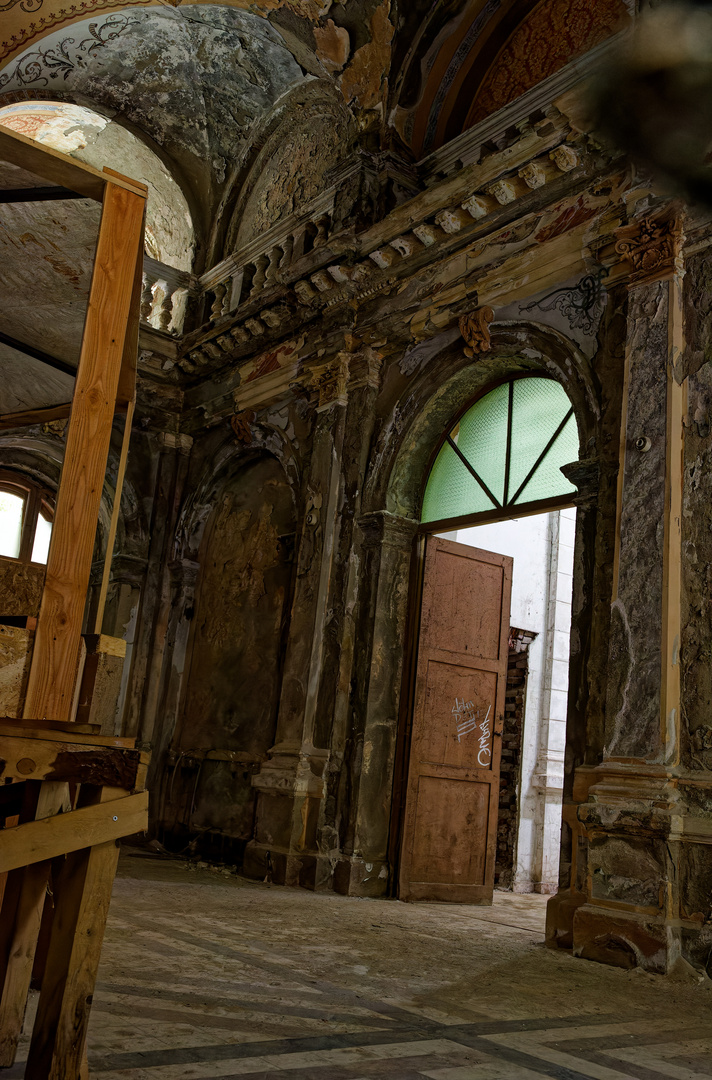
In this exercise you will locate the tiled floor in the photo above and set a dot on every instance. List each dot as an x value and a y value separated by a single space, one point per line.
207 976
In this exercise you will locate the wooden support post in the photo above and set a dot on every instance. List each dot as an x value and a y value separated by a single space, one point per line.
20 921
52 678
31 883
57 1049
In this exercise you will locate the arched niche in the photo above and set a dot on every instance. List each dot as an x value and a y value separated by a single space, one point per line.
308 133
233 665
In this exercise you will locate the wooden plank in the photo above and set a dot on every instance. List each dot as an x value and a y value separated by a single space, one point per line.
111 539
38 840
40 759
54 663
676 411
49 164
126 392
49 725
83 893
32 729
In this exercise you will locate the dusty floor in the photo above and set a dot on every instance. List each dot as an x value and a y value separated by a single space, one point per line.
204 975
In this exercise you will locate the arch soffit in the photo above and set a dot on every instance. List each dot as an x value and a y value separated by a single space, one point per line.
226 461
448 383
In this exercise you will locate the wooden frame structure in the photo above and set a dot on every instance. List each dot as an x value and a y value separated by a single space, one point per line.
67 793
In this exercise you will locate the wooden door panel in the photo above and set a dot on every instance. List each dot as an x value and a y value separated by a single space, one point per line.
459 702
450 820
464 595
452 844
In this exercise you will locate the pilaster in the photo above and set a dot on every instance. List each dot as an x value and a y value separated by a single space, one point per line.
295 838
630 814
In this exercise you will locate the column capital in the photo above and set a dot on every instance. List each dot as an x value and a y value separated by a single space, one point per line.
650 247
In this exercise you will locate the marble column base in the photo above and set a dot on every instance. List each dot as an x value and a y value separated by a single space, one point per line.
641 878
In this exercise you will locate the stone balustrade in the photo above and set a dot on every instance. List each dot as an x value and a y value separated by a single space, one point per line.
265 262
164 296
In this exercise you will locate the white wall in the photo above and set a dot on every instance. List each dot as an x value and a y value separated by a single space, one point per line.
542 548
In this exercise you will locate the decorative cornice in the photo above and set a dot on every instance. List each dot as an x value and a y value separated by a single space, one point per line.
651 247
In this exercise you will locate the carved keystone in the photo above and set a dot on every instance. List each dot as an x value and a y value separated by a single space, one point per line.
474 328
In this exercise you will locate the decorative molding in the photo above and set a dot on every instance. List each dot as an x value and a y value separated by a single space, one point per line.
474 328
365 369
466 149
37 67
331 381
651 247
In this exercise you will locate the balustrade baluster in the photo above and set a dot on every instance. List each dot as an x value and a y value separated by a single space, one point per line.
146 299
166 310
217 309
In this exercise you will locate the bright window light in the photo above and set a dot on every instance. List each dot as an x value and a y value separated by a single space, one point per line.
12 509
43 532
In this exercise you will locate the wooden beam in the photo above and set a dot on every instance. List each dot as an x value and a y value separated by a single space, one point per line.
41 160
38 354
45 759
56 732
30 417
37 194
34 841
52 677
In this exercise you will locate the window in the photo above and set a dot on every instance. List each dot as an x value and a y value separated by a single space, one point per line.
505 452
25 520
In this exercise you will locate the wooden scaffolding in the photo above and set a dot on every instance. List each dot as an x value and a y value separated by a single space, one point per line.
68 792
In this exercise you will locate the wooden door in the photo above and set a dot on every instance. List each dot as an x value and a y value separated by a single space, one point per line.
450 822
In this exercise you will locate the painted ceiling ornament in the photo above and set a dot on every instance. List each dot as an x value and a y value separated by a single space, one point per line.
25 5
474 328
651 246
241 424
581 305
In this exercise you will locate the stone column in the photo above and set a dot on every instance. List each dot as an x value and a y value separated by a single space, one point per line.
631 814
292 785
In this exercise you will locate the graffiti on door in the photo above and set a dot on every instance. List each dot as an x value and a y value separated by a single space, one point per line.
468 720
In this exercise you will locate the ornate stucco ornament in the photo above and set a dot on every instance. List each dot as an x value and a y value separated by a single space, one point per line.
474 328
650 246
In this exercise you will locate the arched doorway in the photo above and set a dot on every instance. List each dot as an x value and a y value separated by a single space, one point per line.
498 465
